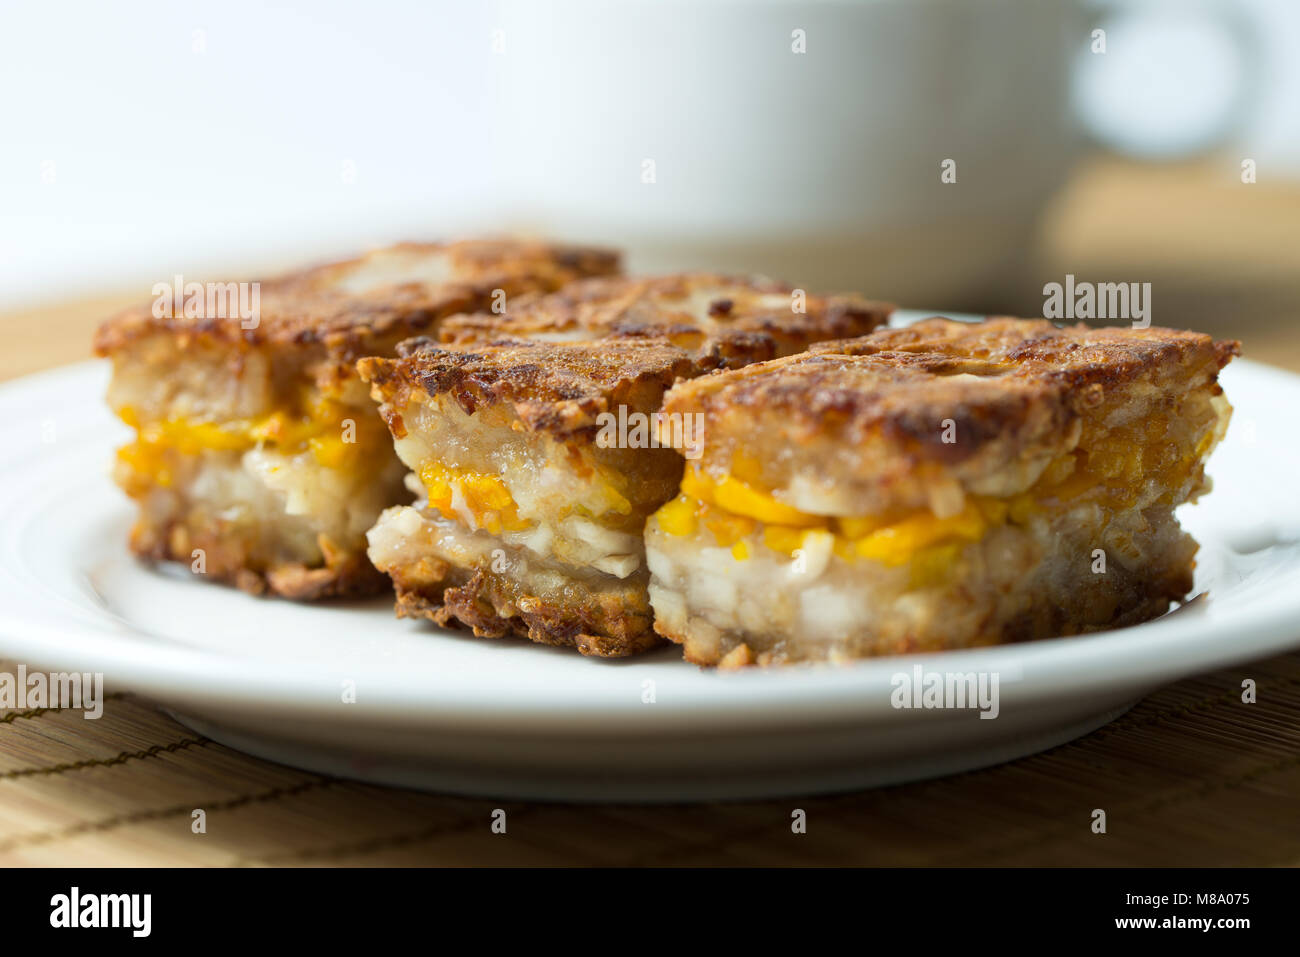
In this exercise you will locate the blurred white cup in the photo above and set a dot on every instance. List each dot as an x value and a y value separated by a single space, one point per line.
807 140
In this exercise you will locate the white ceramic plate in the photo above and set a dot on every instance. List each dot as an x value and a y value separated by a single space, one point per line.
445 711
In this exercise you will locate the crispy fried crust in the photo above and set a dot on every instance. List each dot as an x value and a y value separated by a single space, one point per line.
345 574
967 399
1077 356
492 607
616 337
318 306
724 320
559 389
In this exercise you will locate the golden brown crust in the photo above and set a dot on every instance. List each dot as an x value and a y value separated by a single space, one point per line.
1037 349
226 559
560 389
726 319
940 392
318 306
493 606
563 359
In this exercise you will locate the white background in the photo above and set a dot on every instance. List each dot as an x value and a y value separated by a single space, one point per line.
145 137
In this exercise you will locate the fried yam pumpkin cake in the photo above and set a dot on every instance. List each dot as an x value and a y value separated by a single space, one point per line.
535 457
259 457
940 486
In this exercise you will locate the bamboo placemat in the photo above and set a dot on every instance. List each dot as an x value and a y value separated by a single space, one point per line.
1191 776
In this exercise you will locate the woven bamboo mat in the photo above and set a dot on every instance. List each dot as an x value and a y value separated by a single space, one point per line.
1191 776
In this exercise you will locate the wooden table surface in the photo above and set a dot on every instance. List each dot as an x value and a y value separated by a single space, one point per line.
1191 776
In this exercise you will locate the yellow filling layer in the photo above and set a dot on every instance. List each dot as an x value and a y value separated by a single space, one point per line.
736 496
732 509
483 500
455 492
892 543
338 437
